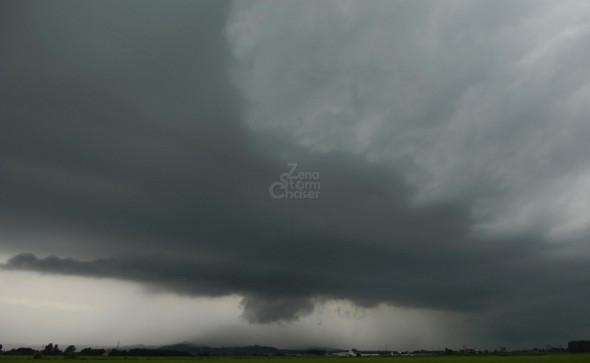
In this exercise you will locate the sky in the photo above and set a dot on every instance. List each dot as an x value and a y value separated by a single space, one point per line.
369 174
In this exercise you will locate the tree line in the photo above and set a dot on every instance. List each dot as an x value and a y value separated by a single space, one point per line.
71 352
579 346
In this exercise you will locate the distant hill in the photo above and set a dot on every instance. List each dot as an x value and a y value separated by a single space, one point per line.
253 350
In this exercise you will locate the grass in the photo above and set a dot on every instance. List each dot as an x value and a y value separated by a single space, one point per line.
549 358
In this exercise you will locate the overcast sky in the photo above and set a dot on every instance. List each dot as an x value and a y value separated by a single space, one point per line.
144 147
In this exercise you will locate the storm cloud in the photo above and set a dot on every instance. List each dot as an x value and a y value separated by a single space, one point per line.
139 142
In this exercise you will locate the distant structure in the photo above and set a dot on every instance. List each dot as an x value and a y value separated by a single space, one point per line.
365 353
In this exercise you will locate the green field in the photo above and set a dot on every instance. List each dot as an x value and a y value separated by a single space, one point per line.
549 358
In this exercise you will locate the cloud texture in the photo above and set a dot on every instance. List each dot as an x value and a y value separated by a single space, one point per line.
139 143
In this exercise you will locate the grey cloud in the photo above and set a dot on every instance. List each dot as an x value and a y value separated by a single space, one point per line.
128 152
463 97
263 310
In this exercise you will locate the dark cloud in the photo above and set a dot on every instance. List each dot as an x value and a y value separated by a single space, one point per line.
128 152
264 310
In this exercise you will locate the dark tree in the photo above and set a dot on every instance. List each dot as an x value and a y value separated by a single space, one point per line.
92 352
449 351
579 346
51 349
48 349
21 351
70 349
